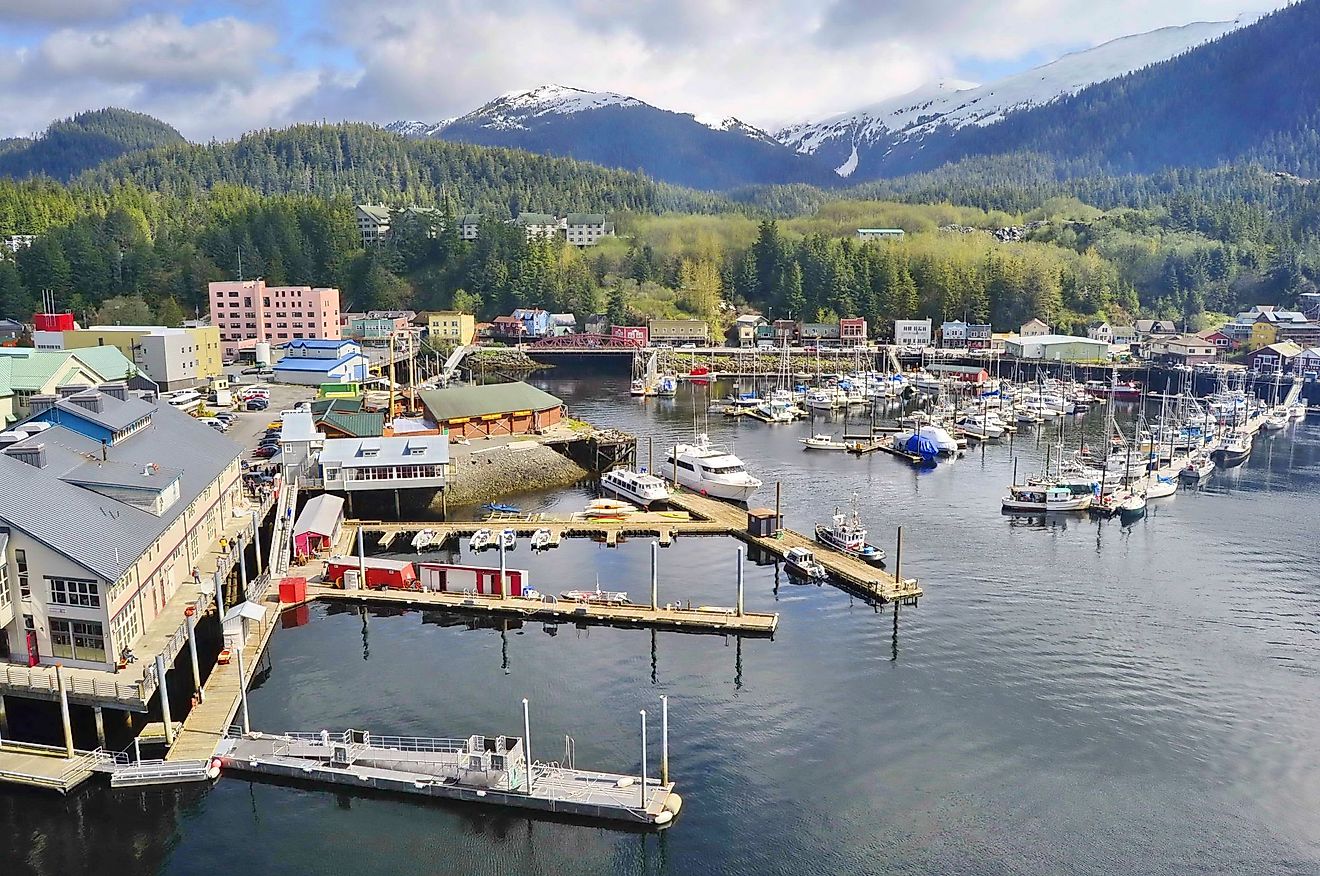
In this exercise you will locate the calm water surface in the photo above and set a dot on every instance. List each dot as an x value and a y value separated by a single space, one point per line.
1071 696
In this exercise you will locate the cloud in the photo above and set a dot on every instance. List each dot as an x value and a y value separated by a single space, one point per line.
19 12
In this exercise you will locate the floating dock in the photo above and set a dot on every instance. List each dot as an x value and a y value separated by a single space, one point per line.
479 769
655 525
703 619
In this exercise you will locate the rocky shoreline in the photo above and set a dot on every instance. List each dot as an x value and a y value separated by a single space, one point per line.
498 473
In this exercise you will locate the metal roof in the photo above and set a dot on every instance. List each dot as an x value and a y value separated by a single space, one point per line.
493 398
101 534
400 450
320 515
115 415
112 473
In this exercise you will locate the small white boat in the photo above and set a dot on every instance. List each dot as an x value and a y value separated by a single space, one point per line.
1159 488
598 509
1045 498
822 442
422 540
638 487
640 388
595 597
1133 506
508 539
1197 469
1029 417
1275 421
480 540
541 540
803 563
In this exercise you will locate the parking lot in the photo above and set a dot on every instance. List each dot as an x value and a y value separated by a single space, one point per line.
250 425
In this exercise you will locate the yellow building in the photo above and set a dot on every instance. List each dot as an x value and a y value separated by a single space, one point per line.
451 326
1263 333
173 357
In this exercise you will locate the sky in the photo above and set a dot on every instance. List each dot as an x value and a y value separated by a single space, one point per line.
219 68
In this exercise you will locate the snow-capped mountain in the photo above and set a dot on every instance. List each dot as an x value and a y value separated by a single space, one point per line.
621 131
855 143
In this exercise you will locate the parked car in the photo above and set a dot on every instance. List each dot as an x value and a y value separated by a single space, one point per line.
266 451
254 369
257 404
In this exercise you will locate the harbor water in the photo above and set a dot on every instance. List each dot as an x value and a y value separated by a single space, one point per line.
1070 696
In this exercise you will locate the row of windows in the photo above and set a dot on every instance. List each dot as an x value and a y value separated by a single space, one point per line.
126 625
396 472
77 640
72 591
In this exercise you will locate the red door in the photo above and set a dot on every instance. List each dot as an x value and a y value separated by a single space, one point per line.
33 657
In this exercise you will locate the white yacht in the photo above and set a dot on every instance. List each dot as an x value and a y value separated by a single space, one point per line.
822 442
637 487
710 470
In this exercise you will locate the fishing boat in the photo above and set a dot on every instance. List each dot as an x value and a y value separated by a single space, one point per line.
500 508
822 442
639 388
480 540
1197 469
1129 391
1276 420
541 540
710 470
422 540
639 487
667 385
1133 507
1233 451
1045 498
802 562
595 597
846 534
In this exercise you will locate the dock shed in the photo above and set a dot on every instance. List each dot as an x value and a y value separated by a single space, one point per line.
514 408
318 525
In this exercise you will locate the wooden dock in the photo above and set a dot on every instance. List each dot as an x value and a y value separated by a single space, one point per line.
703 619
643 525
45 766
847 572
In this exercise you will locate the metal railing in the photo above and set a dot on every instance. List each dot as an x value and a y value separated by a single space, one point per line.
33 679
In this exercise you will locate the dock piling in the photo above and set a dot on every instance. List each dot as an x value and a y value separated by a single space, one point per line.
741 552
64 709
655 578
99 718
779 514
664 739
256 539
898 558
164 699
362 561
527 743
242 566
504 574
219 594
242 692
643 713
192 653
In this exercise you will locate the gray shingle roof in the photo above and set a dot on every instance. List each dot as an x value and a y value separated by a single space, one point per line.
101 534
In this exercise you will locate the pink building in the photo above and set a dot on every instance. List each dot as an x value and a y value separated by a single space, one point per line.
248 311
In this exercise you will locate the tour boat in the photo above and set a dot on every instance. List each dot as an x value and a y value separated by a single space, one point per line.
422 540
710 470
849 536
595 597
822 442
1197 469
803 563
638 487
481 539
1045 498
541 539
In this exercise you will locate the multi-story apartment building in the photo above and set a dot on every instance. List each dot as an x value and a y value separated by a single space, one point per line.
174 358
539 225
451 327
587 229
248 311
108 502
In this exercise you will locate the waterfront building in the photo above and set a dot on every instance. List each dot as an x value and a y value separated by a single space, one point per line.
953 334
1273 358
318 525
451 327
1058 348
248 312
562 324
743 333
979 335
493 409
174 358
912 332
535 321
314 361
107 506
1182 350
347 418
678 331
384 463
823 334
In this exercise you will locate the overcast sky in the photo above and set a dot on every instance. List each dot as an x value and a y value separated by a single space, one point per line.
217 69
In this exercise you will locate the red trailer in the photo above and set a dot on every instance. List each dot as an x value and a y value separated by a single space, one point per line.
381 574
483 580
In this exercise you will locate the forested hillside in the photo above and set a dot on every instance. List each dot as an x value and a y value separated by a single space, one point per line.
70 146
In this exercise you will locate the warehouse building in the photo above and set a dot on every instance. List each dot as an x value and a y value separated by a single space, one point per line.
495 409
1058 348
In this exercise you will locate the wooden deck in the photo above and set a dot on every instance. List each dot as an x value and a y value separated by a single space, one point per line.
845 571
666 529
706 619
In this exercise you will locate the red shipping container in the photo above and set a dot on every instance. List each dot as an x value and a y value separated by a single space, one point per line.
293 590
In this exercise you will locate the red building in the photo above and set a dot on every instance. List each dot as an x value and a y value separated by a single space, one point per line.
633 334
852 332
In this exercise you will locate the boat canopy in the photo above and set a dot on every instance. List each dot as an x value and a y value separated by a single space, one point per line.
922 446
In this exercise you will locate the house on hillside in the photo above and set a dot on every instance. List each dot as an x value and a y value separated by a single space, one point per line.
743 331
1274 358
1100 331
1034 328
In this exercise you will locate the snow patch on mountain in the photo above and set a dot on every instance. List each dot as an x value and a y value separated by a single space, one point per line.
955 104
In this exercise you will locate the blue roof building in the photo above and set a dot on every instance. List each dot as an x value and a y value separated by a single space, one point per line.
313 361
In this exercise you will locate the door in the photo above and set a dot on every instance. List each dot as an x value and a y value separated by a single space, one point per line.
33 657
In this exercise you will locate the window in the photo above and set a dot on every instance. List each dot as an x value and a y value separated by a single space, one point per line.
77 640
126 625
24 586
71 591
5 598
